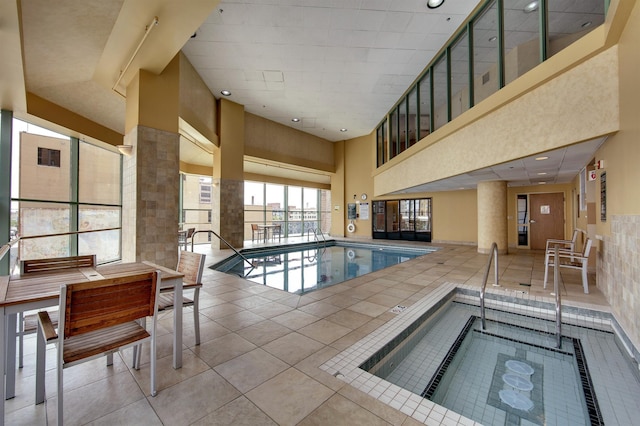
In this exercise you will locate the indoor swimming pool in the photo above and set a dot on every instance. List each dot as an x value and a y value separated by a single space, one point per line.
434 361
302 268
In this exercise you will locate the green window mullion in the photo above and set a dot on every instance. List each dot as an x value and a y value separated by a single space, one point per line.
543 20
501 77
432 121
448 58
470 35
74 177
6 129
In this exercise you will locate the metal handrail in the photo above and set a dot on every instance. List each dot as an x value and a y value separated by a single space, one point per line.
556 290
224 241
315 234
493 254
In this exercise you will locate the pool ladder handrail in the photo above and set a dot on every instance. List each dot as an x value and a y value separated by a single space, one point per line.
315 234
224 241
556 290
493 254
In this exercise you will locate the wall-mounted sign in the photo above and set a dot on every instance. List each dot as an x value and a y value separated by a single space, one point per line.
351 211
592 175
545 210
364 211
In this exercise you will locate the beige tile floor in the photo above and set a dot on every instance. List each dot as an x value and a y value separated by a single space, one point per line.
261 349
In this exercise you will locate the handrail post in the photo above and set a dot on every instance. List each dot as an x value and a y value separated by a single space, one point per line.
556 290
493 253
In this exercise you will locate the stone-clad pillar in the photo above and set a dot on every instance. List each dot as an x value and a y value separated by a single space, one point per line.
151 174
492 216
228 177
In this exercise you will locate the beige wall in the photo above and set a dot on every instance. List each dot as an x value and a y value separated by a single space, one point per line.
618 275
359 162
197 104
272 141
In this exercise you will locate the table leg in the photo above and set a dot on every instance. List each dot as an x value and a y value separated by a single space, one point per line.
10 373
177 324
3 353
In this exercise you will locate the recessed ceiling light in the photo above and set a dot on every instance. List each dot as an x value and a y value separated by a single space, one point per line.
541 158
542 173
542 183
343 130
434 4
225 93
494 38
586 24
295 119
533 6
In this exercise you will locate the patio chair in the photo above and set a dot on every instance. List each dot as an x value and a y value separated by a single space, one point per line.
184 237
256 232
28 324
191 265
100 318
564 245
277 229
571 260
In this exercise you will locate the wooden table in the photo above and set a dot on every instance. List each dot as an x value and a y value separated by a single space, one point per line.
42 290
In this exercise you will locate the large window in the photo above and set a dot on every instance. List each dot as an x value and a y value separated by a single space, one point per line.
65 195
495 46
195 210
298 210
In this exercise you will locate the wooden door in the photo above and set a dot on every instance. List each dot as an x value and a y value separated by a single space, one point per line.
547 218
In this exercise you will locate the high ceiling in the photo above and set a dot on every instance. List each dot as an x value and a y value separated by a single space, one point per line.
334 64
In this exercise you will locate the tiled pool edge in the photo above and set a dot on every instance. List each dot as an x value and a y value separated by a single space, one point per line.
346 365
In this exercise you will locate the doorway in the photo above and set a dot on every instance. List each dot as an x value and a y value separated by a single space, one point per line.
547 219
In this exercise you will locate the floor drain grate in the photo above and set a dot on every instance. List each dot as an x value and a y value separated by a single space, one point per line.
526 284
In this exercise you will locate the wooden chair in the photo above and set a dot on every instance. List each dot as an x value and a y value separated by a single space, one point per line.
571 260
256 231
191 265
100 318
28 324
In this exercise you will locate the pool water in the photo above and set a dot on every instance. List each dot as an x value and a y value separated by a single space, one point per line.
509 375
307 267
432 361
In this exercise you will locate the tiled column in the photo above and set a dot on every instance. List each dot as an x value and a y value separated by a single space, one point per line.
227 216
151 196
492 216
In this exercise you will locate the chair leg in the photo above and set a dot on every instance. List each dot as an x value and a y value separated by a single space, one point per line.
20 339
585 281
60 406
41 349
196 314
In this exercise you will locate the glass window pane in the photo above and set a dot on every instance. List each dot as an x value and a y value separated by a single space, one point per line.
412 106
569 21
393 132
485 53
402 126
106 244
440 90
521 40
406 215
99 175
50 181
325 211
253 193
460 75
379 216
294 210
423 215
310 215
44 219
380 145
523 220
425 105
